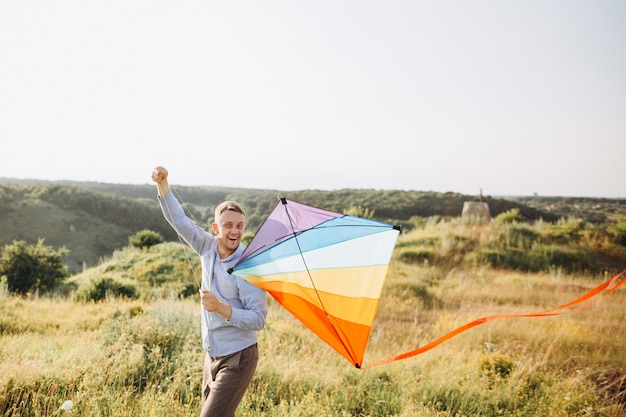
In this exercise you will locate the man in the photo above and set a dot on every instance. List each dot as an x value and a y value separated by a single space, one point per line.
233 310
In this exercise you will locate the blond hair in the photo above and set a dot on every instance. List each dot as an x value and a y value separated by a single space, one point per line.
228 205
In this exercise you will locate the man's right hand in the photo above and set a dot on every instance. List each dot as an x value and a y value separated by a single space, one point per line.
159 175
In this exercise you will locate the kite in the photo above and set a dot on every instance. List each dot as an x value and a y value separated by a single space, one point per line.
328 269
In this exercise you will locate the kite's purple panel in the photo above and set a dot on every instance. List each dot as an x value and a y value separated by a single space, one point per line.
285 220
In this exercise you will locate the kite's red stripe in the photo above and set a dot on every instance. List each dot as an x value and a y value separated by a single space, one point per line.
608 287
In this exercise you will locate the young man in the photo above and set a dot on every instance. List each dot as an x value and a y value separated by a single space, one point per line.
233 310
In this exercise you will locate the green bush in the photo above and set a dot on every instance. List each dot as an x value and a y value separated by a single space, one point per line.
567 230
540 257
497 366
32 267
509 216
518 236
187 290
145 239
617 231
102 288
415 257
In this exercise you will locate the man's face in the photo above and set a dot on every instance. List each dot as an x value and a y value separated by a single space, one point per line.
229 230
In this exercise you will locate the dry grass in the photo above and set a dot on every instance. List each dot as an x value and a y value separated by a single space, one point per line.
142 358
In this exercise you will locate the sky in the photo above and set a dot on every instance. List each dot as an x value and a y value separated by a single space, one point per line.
516 97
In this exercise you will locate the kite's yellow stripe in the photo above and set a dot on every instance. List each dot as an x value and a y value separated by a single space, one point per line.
356 310
348 282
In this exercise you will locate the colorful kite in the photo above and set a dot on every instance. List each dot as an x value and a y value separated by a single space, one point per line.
328 270
325 268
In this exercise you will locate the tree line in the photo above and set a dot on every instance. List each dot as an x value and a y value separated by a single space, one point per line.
108 213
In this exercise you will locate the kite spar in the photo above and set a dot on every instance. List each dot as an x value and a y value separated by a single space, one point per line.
325 268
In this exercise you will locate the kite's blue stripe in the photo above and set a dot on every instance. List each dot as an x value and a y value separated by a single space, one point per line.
328 233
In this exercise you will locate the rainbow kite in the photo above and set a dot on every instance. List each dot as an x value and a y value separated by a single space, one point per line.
325 268
328 270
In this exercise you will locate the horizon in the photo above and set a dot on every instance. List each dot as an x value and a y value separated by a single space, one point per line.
35 180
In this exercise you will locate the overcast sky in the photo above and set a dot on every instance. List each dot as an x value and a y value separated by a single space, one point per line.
511 97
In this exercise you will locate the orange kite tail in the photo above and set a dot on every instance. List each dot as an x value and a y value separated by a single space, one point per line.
605 288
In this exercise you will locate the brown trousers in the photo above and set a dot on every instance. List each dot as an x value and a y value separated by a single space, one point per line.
225 381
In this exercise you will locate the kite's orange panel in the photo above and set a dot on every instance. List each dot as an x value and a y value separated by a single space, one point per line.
321 324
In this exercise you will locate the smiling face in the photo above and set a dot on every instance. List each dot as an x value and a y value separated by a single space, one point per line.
229 226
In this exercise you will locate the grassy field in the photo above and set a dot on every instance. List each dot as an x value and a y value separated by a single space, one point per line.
142 358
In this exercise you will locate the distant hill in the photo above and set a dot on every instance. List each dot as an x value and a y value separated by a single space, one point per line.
94 219
590 209
90 224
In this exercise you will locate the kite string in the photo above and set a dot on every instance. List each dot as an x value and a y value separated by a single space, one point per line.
180 240
607 287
